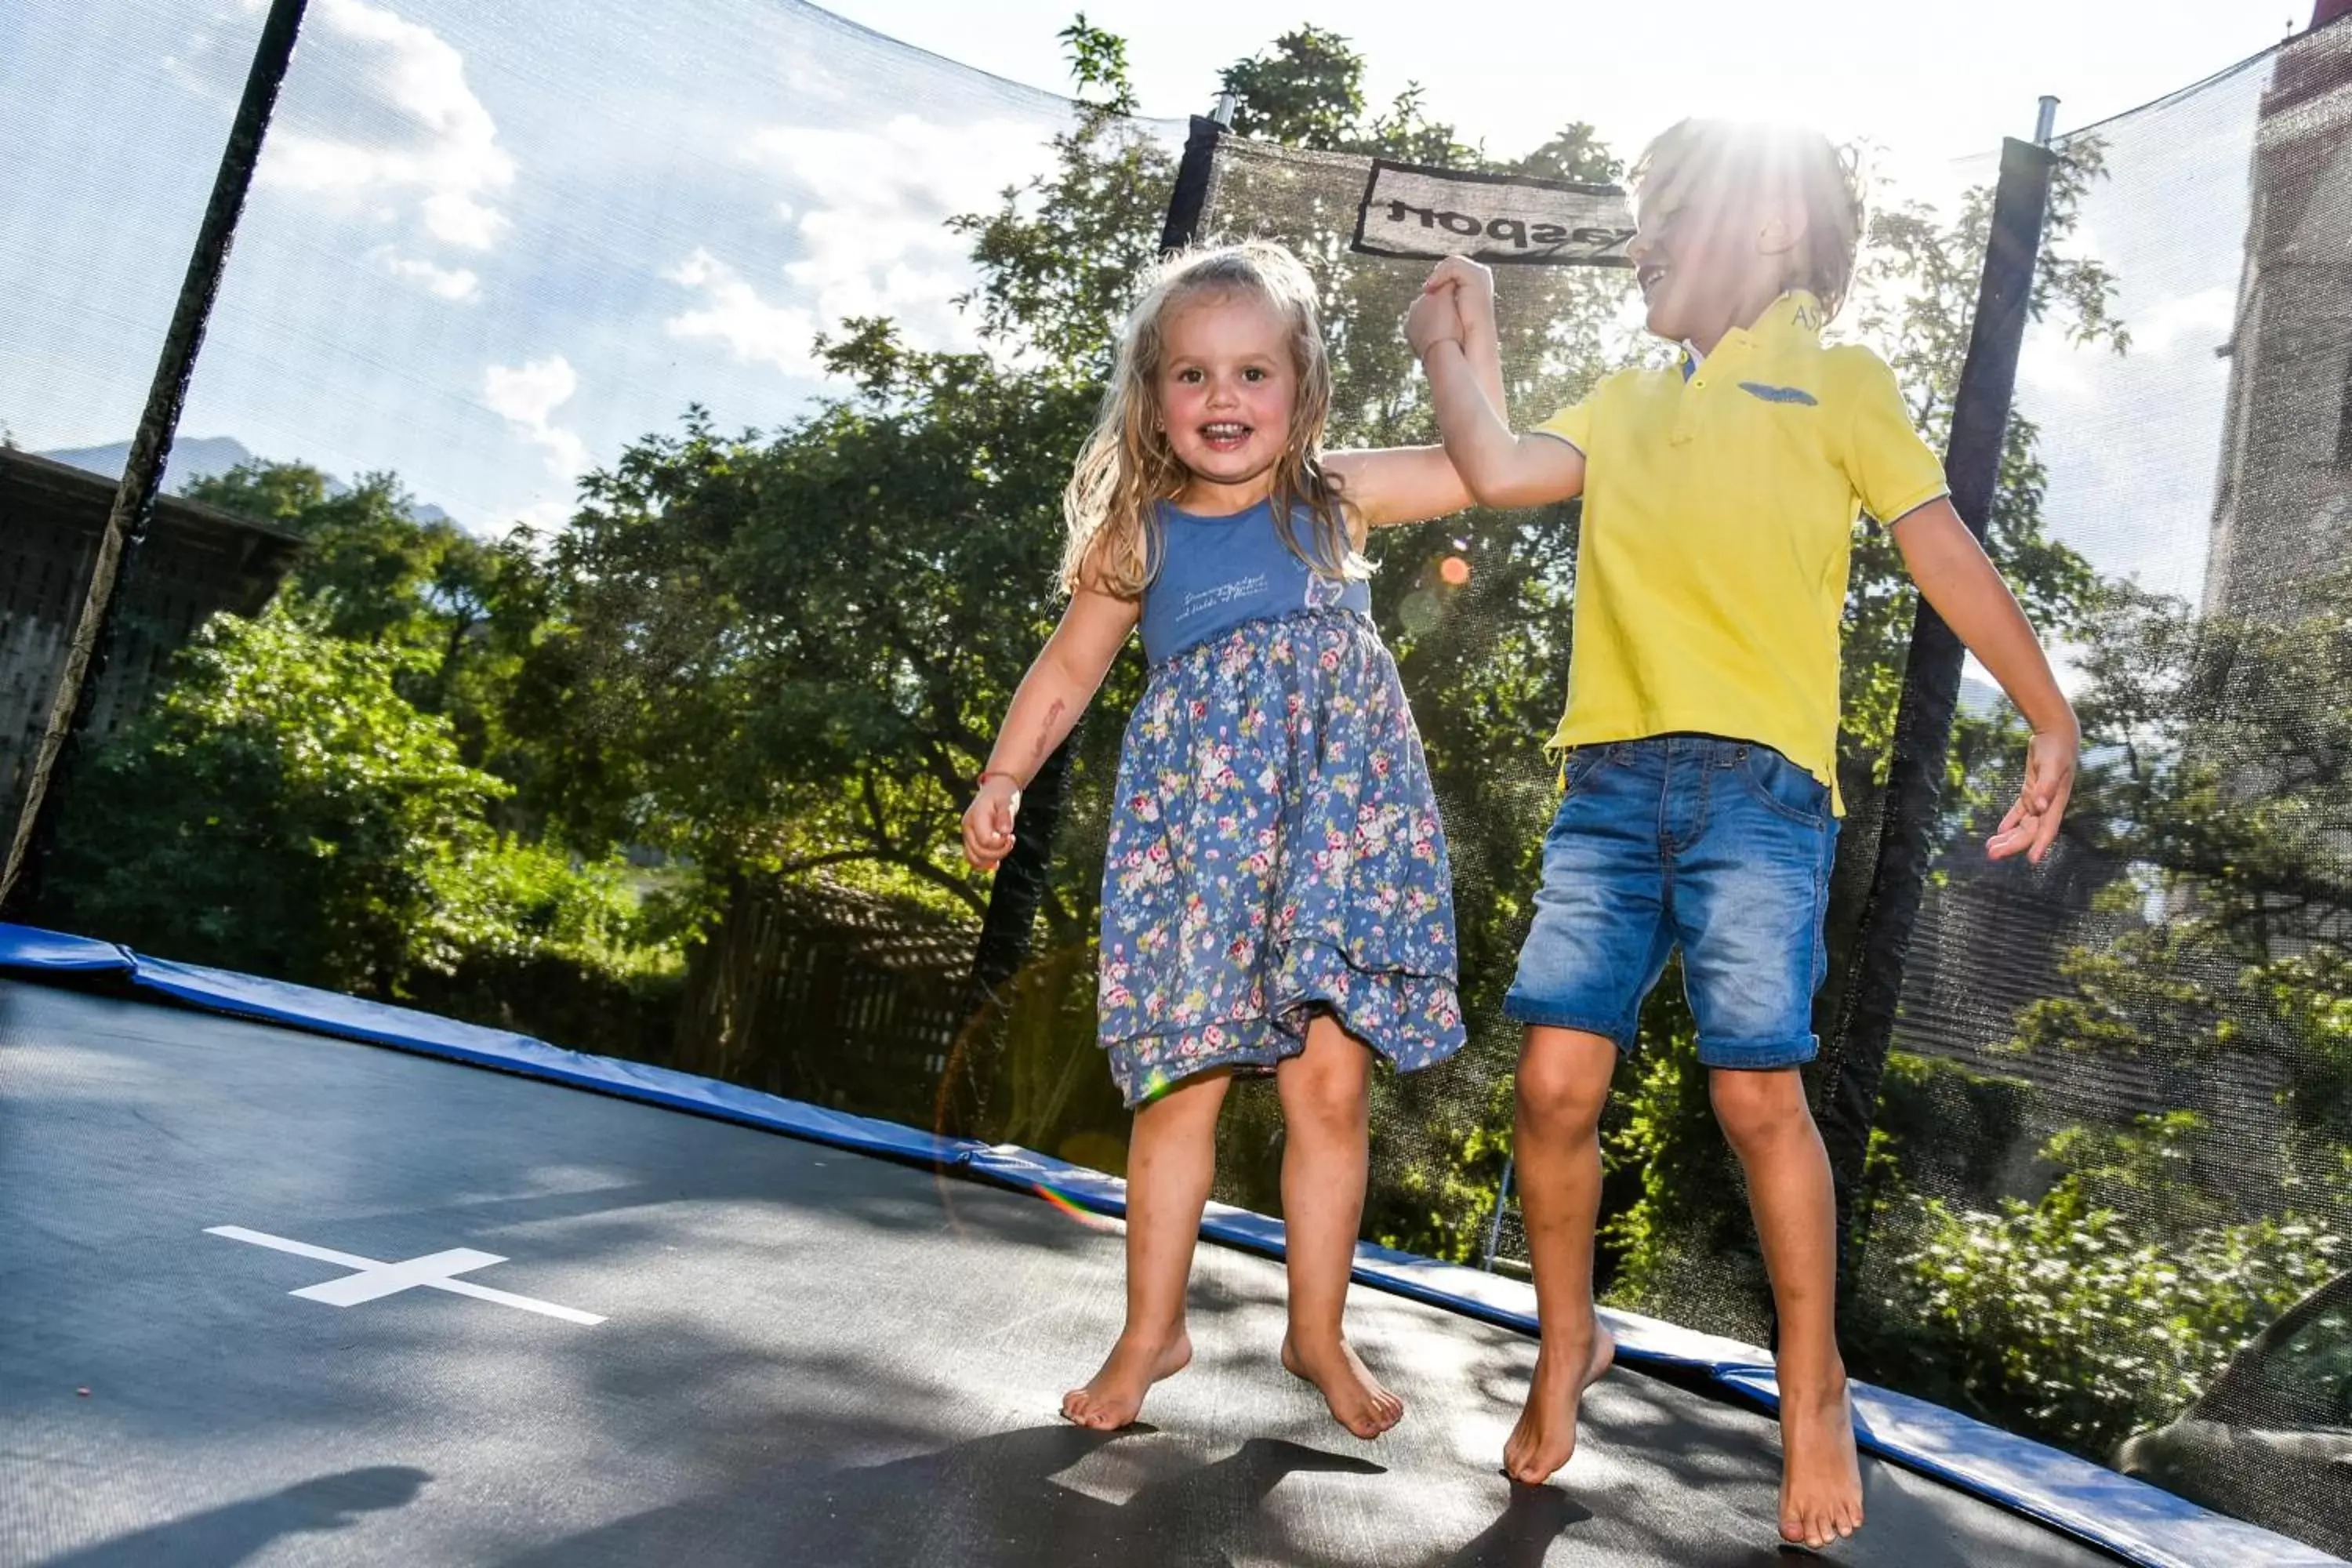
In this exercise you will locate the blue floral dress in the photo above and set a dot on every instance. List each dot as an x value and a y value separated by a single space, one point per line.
1274 848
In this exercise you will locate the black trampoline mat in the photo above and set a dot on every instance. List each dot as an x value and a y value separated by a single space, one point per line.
806 1356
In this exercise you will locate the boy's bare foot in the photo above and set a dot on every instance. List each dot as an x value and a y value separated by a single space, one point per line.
1544 1439
1358 1401
1113 1396
1821 1477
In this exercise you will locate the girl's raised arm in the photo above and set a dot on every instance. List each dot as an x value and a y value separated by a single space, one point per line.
1064 679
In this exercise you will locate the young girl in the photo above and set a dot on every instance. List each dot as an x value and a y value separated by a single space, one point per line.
1276 894
1701 731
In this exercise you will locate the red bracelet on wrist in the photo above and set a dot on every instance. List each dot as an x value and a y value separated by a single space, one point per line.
988 774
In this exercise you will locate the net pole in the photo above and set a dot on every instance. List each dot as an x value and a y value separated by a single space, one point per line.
133 509
1019 889
1846 1100
1495 1221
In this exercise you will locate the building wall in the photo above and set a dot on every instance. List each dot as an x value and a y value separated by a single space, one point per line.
195 562
2282 518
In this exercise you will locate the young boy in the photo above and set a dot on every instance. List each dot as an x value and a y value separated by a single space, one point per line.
1700 806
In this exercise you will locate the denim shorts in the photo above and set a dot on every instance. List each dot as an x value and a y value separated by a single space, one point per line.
1721 847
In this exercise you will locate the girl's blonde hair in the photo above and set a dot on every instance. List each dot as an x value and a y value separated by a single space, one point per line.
1129 468
1722 162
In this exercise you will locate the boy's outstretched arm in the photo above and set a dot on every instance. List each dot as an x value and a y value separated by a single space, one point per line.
1956 577
1461 352
1392 485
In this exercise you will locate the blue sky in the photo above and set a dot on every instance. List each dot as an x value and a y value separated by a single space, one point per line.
490 245
481 255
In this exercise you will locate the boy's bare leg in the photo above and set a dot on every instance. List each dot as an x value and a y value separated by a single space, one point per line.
1770 1127
1563 1083
1170 1164
1326 1101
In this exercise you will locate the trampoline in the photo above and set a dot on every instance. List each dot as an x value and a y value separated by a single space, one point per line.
269 1296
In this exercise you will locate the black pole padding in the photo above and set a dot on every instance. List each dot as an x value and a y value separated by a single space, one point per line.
1190 199
1019 890
1846 1092
143 473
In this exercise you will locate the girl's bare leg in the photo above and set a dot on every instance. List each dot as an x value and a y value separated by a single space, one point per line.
1170 1165
1326 1103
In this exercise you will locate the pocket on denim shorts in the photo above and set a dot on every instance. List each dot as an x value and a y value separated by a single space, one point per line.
1784 787
1578 765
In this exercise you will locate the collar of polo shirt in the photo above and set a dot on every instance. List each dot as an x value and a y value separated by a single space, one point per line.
1796 312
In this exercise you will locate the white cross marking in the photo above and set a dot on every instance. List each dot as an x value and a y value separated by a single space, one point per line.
372 1279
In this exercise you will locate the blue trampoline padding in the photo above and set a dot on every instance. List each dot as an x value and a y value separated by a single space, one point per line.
28 947
2137 1521
2143 1522
381 1024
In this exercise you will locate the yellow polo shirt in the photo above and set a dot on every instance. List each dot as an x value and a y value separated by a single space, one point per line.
1719 505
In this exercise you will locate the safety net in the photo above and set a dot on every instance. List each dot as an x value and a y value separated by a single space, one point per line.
674 411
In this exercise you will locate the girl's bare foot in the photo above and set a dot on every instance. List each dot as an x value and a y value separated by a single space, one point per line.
1545 1438
1820 1475
1358 1401
1113 1396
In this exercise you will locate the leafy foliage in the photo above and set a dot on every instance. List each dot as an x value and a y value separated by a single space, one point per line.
372 571
2065 1318
282 809
2217 784
795 650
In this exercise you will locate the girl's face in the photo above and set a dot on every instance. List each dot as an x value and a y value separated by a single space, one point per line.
1226 388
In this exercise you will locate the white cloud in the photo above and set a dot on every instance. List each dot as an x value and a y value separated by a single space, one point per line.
2186 324
409 128
873 241
526 397
733 313
2198 322
457 283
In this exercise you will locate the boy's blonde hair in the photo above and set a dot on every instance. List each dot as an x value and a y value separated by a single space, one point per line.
1719 162
1128 467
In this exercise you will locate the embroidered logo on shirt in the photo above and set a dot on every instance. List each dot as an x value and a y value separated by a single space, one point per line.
1222 594
1780 393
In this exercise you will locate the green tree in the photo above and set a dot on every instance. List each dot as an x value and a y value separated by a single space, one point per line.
1059 257
281 809
2217 787
374 572
284 809
1307 92
792 650
802 645
2223 779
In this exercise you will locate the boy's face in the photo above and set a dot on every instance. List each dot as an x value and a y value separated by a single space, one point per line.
1700 259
